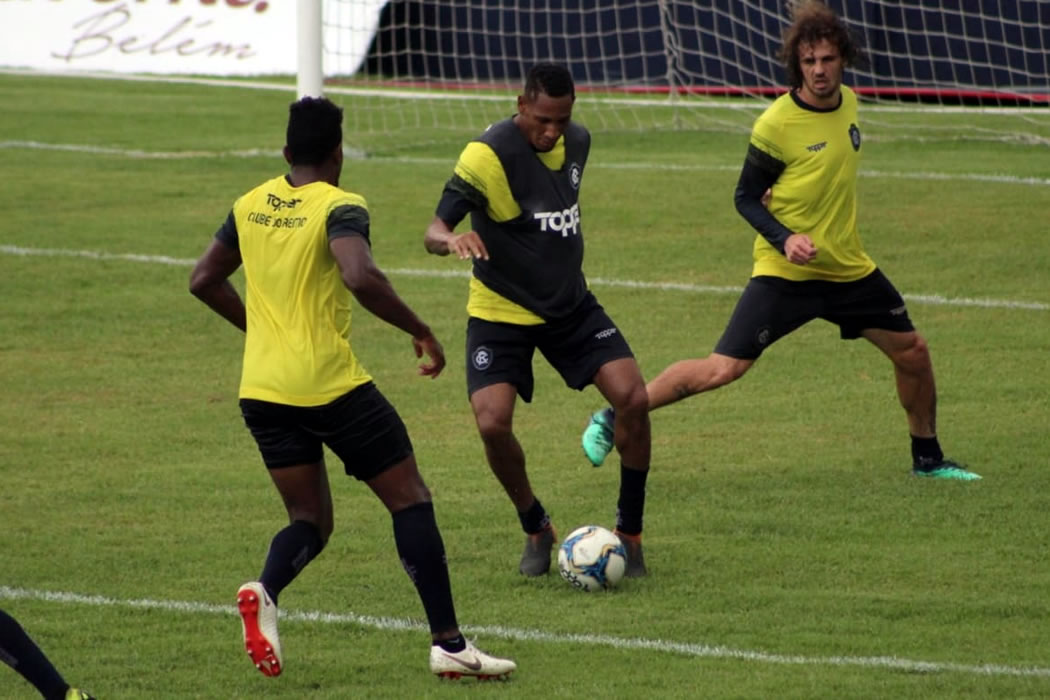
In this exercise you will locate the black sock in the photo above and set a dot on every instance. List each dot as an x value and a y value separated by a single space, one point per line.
926 452
22 654
290 550
535 519
454 645
631 506
422 553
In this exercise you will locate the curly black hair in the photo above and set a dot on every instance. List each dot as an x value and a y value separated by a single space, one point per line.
813 21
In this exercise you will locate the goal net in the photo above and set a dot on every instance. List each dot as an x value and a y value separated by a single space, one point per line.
414 71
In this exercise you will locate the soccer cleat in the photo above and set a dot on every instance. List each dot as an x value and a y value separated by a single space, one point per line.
946 469
598 436
470 662
259 615
536 559
632 544
77 694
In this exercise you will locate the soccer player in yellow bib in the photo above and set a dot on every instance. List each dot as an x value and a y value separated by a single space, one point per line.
798 190
305 247
520 181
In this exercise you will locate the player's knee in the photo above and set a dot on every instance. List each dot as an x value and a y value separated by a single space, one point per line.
915 357
921 350
418 492
493 427
632 419
634 405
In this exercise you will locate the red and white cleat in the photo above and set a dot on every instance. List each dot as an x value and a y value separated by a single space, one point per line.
259 617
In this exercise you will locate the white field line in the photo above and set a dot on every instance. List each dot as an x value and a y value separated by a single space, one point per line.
466 96
135 153
931 299
531 635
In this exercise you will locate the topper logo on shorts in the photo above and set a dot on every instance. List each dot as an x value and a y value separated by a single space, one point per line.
481 358
564 222
607 333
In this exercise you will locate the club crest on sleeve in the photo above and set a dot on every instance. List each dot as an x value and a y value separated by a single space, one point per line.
575 175
854 136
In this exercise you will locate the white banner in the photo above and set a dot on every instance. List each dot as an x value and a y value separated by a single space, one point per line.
210 37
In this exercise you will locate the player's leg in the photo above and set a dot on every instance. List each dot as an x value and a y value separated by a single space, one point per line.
304 490
686 378
678 381
422 553
621 383
295 463
375 447
499 369
493 407
872 308
588 348
307 499
917 391
20 652
419 544
913 370
768 309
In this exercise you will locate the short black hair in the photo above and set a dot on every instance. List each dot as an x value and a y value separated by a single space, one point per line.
315 129
549 79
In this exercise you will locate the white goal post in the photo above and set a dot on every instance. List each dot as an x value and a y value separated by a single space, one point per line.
422 64
309 48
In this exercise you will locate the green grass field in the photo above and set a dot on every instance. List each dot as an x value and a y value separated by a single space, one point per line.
792 554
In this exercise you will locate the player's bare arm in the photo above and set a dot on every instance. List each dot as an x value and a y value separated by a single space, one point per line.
210 282
440 239
374 292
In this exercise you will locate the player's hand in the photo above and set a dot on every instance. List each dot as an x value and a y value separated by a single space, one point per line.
468 246
429 345
799 249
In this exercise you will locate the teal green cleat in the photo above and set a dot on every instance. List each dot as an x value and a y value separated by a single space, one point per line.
946 469
598 436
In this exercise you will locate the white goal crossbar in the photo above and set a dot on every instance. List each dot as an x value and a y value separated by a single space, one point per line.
409 63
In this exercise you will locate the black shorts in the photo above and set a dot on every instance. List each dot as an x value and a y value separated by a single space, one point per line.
772 307
361 427
577 346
